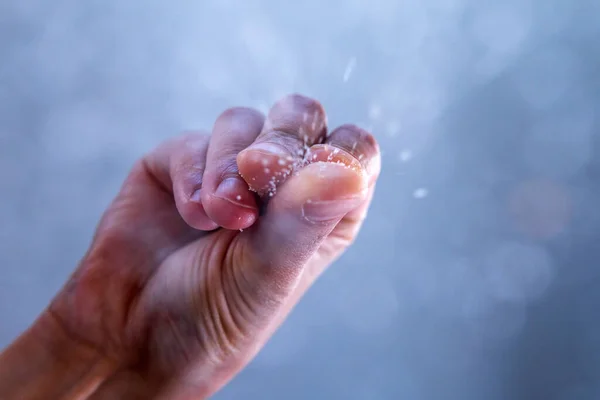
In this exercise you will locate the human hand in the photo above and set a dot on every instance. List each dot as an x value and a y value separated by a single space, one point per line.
190 272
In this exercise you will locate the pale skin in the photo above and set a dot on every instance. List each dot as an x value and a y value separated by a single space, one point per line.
186 280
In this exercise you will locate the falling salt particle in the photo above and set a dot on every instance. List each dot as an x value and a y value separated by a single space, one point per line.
420 193
392 128
267 170
374 111
281 161
238 197
349 68
405 155
265 162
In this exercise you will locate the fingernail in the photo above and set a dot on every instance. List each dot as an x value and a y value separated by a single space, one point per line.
330 210
327 153
235 191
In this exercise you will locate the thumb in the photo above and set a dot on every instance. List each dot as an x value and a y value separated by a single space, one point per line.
298 218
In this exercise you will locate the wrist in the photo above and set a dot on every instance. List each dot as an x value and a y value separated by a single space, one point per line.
44 362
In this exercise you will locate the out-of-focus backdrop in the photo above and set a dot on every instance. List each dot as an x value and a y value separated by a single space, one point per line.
476 275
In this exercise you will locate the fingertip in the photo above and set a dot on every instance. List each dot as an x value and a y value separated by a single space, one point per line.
265 165
232 205
330 181
359 144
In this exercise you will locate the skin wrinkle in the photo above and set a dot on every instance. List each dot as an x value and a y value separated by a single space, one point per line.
292 144
68 309
237 278
147 171
182 351
191 183
213 320
241 281
191 169
279 278
214 302
74 338
205 329
239 302
228 277
154 315
229 169
236 295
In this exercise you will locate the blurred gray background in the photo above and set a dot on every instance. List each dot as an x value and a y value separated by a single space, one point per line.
475 276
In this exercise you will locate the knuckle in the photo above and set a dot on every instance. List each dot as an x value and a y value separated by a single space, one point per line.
369 139
351 130
350 133
237 112
299 116
191 139
297 101
228 167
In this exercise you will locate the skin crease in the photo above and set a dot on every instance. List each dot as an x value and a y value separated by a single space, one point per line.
171 292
